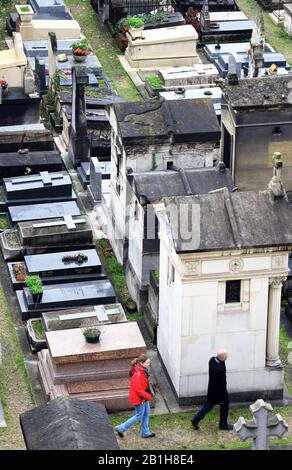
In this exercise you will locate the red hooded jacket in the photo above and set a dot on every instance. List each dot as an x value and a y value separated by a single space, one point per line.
138 386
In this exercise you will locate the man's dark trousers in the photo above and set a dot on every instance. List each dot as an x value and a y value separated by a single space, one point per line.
224 408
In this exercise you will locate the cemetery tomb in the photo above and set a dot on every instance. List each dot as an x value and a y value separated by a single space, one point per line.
40 48
216 16
215 93
192 75
38 29
12 63
34 137
13 164
56 297
288 18
212 51
214 5
66 233
163 47
96 372
42 211
50 9
79 317
278 17
58 267
45 186
229 31
17 108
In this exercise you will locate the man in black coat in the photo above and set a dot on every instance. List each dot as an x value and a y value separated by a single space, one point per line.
217 392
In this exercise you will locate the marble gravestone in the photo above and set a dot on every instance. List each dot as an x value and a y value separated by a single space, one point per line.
96 372
13 164
66 233
60 267
43 187
42 211
95 186
66 295
79 145
83 316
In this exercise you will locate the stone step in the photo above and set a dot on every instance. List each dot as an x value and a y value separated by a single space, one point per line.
115 401
107 386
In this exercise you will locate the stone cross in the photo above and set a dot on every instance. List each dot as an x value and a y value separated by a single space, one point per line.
43 177
68 221
261 427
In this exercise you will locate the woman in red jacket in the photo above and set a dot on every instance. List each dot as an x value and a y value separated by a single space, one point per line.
139 396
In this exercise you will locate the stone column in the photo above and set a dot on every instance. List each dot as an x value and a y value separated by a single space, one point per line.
274 307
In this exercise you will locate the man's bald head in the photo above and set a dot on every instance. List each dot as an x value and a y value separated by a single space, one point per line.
222 354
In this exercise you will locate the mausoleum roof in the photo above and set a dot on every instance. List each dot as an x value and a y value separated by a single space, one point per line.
231 221
153 121
68 424
158 184
258 92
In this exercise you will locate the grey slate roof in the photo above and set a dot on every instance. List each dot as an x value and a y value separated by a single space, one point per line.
68 424
153 121
232 221
157 184
257 92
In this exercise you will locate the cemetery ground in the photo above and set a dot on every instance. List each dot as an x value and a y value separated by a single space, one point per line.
275 35
104 47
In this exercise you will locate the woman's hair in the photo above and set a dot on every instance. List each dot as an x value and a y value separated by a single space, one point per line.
139 360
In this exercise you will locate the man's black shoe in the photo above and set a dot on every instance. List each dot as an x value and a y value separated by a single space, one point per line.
226 427
149 435
195 425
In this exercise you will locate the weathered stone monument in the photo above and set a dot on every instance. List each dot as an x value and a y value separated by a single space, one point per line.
79 145
257 48
94 188
52 56
262 425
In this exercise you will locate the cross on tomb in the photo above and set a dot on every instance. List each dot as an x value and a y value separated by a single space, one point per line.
262 426
68 221
98 312
43 176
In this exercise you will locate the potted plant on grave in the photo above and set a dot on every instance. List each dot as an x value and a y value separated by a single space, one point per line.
25 13
35 286
81 49
4 87
136 25
92 335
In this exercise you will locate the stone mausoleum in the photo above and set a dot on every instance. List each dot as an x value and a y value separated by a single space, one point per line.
220 286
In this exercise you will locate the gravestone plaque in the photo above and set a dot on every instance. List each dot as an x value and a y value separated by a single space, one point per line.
79 145
56 297
42 211
44 185
55 264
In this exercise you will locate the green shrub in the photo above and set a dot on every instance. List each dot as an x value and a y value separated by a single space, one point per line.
135 22
155 81
34 284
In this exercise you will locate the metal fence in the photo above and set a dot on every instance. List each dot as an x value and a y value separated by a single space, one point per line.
119 9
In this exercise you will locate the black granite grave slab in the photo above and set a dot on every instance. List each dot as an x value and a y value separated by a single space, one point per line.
42 211
56 297
53 270
44 185
34 137
15 164
83 172
17 108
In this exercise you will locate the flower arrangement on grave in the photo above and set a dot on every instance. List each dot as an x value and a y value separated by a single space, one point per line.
78 258
81 49
135 24
4 87
19 271
92 335
34 283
